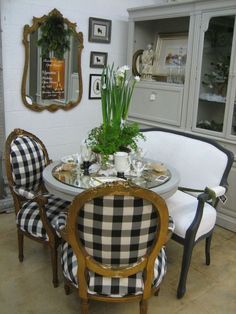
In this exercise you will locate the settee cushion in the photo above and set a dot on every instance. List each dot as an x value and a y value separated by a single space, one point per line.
182 208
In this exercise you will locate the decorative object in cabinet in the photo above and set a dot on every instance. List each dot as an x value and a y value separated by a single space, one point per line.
137 63
147 63
170 57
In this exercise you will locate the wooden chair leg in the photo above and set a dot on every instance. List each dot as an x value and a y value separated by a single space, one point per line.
187 254
157 292
20 236
66 288
84 306
54 266
143 306
207 249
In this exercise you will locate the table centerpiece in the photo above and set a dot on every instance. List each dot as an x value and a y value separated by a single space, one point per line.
115 133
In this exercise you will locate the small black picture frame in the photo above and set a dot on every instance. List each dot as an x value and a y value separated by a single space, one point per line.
98 59
99 30
95 86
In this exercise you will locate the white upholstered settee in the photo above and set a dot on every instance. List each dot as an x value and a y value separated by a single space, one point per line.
203 166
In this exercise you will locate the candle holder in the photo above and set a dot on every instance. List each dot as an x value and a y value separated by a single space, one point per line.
86 165
120 175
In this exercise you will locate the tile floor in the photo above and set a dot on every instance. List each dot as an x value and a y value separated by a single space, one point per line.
25 288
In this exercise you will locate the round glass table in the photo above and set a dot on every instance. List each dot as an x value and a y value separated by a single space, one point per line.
67 180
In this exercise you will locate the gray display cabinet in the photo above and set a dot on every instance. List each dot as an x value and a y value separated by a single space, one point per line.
193 85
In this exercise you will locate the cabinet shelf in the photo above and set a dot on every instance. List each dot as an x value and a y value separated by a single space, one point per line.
213 98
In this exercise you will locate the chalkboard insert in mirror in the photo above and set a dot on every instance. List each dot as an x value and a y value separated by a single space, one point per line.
52 77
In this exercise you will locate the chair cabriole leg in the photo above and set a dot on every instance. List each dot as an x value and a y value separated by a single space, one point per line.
54 266
187 254
157 292
20 236
84 306
143 307
66 288
207 249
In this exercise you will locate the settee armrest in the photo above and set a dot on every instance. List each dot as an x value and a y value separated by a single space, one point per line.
212 193
208 194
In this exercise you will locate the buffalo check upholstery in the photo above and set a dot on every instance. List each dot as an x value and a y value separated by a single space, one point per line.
28 217
27 162
36 211
116 231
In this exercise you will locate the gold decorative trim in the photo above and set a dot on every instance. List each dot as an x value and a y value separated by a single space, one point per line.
37 21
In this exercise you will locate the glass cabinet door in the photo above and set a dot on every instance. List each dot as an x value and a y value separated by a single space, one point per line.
214 74
233 124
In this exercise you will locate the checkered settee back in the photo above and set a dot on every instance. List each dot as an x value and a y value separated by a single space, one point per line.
27 162
117 230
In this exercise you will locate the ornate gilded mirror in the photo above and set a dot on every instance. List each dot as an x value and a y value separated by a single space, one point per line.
52 77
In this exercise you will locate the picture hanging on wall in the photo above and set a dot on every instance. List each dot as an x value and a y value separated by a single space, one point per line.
99 30
98 59
95 86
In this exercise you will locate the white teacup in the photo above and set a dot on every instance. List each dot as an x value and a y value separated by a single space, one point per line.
121 162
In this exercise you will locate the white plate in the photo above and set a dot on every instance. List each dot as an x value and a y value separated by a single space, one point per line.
75 158
96 181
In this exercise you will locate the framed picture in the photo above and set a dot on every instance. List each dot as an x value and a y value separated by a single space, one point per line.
137 62
99 30
170 53
98 59
95 86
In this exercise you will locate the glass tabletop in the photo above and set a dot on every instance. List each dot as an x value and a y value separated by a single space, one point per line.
71 174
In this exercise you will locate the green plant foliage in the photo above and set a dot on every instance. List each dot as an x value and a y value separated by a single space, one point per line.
116 93
218 77
111 139
55 37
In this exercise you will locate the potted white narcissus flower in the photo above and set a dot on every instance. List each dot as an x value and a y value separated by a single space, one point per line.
115 133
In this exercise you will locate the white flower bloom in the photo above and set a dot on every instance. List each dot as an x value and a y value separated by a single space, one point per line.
123 69
137 78
126 67
104 86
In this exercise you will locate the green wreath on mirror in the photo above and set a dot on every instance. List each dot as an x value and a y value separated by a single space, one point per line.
55 36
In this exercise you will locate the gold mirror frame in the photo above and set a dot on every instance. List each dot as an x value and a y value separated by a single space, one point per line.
37 22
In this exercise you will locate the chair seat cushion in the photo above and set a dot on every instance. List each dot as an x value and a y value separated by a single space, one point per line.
28 218
114 287
182 208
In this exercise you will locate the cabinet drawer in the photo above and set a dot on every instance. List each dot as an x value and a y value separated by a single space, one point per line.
162 104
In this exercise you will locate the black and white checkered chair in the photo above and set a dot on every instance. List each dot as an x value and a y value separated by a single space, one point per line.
204 166
36 210
113 250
